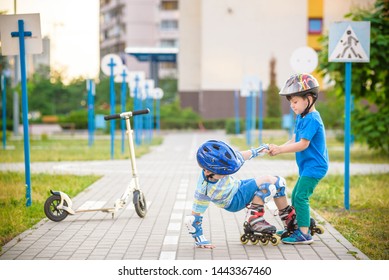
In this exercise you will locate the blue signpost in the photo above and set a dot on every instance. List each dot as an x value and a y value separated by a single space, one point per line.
91 111
260 113
349 41
13 43
136 82
157 94
250 88
21 34
111 65
4 103
123 75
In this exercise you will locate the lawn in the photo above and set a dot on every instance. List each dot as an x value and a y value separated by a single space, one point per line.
49 149
15 217
365 225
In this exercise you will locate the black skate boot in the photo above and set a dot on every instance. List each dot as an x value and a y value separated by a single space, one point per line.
288 218
257 229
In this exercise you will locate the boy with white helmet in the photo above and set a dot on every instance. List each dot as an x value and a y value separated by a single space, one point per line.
309 144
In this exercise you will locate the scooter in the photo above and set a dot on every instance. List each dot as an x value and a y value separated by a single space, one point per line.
59 205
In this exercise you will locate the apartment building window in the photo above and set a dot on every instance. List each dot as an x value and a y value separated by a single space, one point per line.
168 43
315 26
169 25
169 5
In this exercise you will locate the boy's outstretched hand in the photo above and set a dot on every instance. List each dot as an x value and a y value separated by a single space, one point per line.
208 246
274 149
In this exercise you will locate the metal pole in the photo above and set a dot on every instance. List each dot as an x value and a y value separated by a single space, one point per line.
21 34
112 98
90 112
123 102
260 113
3 85
347 136
248 119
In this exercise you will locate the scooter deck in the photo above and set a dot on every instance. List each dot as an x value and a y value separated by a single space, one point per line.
108 210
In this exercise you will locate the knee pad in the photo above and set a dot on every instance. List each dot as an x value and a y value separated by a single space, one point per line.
266 192
280 186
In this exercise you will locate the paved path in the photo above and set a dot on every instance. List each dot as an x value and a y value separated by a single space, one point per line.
168 176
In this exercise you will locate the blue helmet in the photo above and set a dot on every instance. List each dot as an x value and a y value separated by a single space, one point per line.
219 158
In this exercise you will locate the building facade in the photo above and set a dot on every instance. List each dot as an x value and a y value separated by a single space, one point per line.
139 24
224 41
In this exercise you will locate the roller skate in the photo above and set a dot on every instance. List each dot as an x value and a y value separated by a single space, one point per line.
288 218
256 229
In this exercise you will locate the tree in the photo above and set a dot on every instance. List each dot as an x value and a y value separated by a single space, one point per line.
273 101
370 81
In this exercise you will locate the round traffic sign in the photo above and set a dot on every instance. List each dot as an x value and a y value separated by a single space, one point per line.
111 61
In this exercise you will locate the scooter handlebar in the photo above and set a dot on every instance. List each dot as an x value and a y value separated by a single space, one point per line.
141 112
112 117
122 115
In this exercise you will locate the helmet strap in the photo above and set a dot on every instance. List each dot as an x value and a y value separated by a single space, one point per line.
306 111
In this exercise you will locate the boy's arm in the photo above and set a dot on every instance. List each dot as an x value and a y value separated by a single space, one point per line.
194 226
289 147
254 152
194 221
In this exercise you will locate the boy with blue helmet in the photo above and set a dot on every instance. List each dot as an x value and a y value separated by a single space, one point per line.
217 185
309 144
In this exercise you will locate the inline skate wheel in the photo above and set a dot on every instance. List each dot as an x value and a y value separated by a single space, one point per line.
319 229
275 240
264 241
254 240
243 239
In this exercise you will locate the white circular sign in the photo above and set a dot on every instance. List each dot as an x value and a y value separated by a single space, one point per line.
111 61
123 73
157 93
304 60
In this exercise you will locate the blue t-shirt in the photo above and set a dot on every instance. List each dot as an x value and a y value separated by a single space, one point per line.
313 161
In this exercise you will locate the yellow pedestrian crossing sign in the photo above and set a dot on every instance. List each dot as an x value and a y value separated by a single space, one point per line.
349 41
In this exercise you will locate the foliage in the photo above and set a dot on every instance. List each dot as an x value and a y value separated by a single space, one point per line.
169 87
15 217
331 110
369 80
273 100
365 225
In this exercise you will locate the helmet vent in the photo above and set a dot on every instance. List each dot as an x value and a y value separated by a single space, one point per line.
228 155
216 147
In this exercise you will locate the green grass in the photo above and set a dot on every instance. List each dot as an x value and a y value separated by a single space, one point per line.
365 225
70 150
15 217
358 153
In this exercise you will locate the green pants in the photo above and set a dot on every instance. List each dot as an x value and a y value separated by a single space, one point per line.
300 199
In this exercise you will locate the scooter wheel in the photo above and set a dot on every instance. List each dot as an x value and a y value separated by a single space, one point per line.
140 204
51 210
